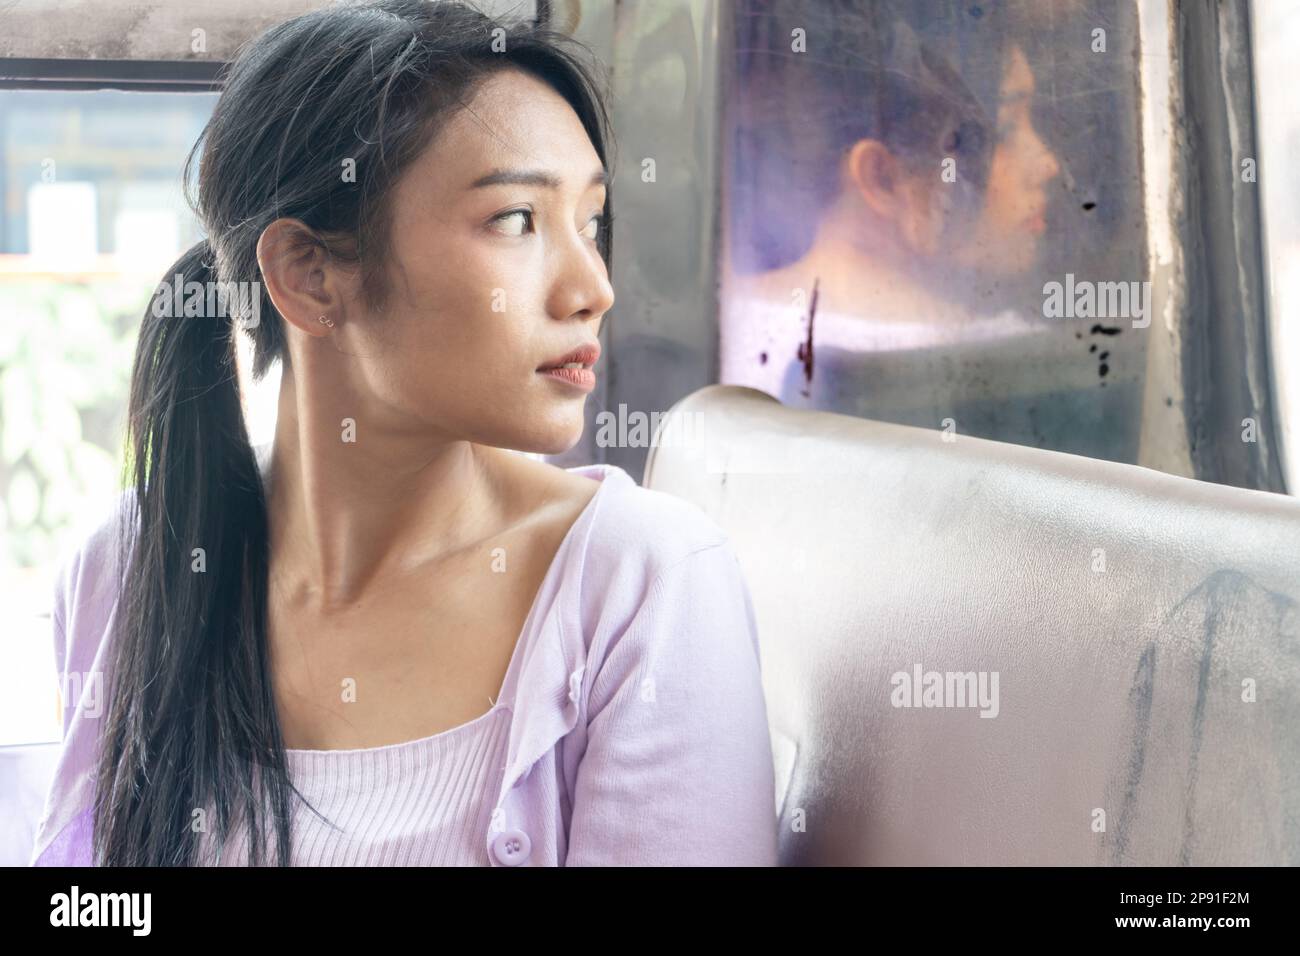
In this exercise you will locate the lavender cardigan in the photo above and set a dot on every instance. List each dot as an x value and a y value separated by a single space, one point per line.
639 731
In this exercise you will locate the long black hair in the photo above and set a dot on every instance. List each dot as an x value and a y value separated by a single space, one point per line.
192 721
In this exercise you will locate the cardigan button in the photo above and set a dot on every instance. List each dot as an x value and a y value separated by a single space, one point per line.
575 685
512 847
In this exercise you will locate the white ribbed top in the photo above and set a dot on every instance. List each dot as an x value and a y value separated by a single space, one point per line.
425 802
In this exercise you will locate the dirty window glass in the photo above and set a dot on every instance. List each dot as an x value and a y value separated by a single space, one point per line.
933 216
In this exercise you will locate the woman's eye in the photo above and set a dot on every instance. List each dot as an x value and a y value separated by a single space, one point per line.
527 213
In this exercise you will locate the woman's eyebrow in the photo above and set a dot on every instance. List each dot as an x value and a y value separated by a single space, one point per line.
532 177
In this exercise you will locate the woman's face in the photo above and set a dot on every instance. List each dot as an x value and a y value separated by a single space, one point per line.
495 274
1006 235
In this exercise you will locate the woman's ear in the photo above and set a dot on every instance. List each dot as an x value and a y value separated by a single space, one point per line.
912 203
875 176
292 268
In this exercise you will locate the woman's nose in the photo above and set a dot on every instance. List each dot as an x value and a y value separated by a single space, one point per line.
599 291
585 285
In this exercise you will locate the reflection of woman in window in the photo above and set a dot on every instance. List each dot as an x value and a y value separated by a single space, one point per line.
907 128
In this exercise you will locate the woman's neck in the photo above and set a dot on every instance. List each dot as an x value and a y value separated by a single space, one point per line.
347 507
854 281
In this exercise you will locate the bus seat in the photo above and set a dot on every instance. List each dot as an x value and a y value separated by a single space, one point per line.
982 653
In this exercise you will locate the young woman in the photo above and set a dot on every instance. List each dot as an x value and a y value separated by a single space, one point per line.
387 637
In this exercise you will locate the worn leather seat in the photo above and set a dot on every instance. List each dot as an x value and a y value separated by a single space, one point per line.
1143 630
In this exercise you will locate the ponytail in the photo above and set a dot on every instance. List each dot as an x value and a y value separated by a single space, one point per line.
191 708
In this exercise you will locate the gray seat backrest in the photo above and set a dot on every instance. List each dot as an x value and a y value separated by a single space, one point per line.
1102 661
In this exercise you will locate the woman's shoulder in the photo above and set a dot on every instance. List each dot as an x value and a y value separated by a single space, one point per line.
621 523
650 555
641 532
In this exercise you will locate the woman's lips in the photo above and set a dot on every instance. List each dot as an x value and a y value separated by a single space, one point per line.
581 378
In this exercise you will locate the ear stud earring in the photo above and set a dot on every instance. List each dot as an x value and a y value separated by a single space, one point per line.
324 321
